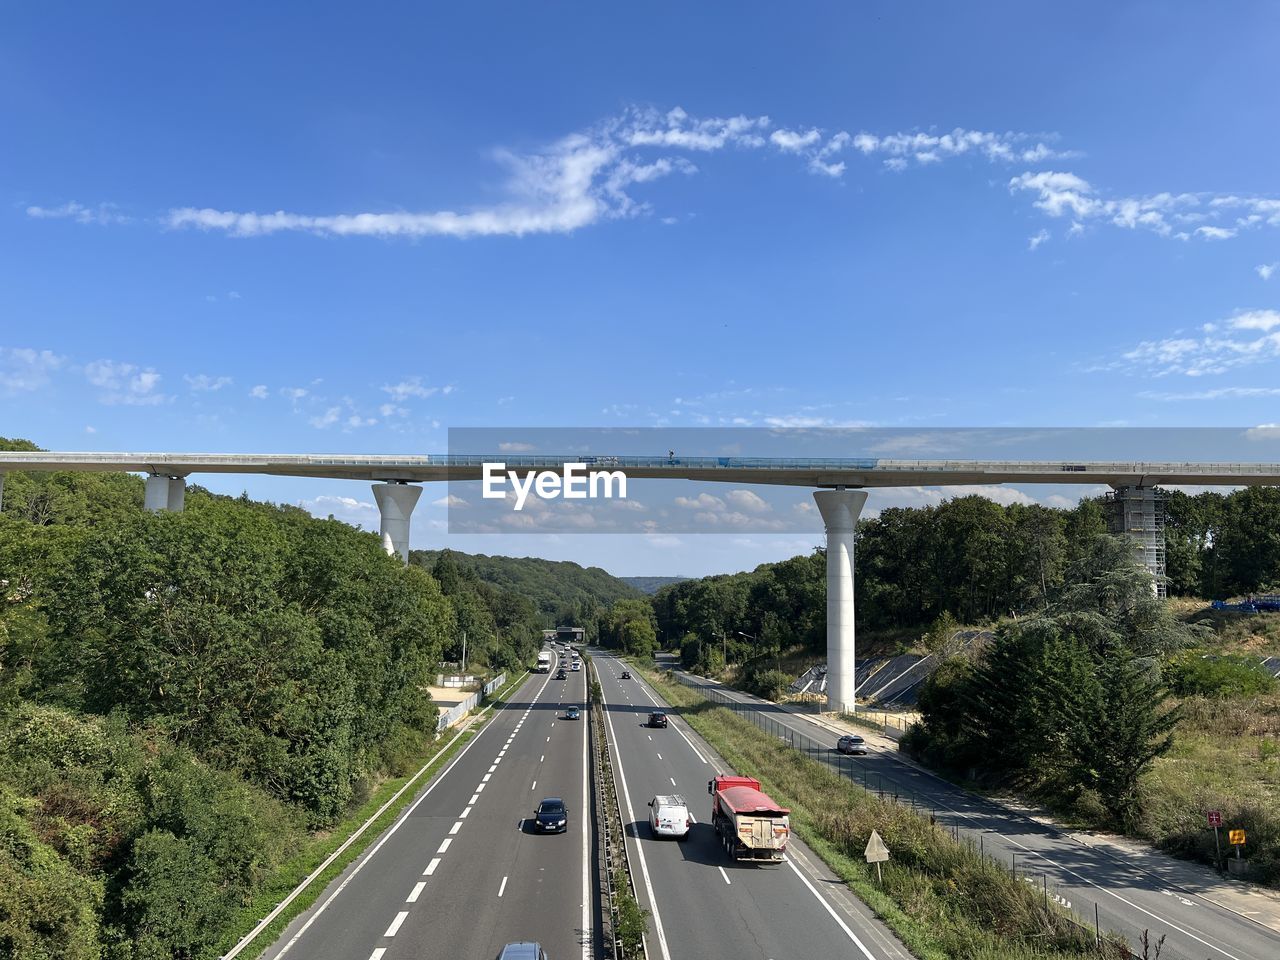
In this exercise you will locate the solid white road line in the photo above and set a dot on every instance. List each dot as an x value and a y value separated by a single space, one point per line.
502 886
395 924
416 892
431 867
644 866
834 916
587 938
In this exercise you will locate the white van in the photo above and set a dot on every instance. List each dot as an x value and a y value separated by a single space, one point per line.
669 817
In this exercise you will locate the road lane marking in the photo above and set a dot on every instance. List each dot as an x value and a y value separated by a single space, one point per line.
455 828
673 780
431 867
502 886
502 753
493 768
395 924
444 845
485 778
534 786
541 758
834 916
466 812
416 891
377 954
480 786
548 739
723 874
644 866
474 798
659 756
372 852
587 939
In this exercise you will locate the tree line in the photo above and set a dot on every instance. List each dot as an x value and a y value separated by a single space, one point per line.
186 697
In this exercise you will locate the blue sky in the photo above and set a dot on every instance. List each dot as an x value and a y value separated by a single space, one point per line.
310 230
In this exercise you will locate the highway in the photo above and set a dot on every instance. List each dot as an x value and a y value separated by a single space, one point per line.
704 906
1129 898
459 873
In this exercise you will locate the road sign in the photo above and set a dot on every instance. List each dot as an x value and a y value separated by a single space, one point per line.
876 851
1236 837
1215 818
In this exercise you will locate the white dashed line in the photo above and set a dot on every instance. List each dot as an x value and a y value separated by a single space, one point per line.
673 780
377 954
444 845
541 758
535 785
431 867
474 798
493 768
416 892
725 875
466 812
455 828
659 756
485 778
502 886
395 924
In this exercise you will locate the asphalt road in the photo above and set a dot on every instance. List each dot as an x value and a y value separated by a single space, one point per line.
460 874
1129 899
704 905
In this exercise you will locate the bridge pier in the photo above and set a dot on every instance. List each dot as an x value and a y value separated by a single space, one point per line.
1137 513
164 493
396 500
840 509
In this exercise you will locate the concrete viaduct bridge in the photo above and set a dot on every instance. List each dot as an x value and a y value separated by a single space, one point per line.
1136 504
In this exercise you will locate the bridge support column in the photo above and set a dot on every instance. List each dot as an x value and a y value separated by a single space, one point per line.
1137 513
840 509
165 493
396 501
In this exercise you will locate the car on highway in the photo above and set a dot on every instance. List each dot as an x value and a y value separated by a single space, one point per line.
626 675
524 950
577 666
561 675
852 744
669 816
551 816
657 719
571 713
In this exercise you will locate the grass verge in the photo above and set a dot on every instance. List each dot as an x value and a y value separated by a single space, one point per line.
944 900
299 867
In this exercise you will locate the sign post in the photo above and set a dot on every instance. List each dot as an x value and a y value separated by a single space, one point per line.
876 853
1237 840
1215 821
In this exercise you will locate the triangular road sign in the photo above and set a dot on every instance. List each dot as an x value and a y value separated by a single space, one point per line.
876 851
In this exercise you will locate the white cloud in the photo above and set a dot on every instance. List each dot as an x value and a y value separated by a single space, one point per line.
1221 393
703 501
747 501
392 410
23 369
125 383
1265 270
203 383
412 387
515 447
1038 239
1215 233
789 141
89 429
1215 352
348 509
103 213
450 500
258 392
327 419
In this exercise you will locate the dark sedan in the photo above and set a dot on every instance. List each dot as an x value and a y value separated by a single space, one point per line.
657 719
551 816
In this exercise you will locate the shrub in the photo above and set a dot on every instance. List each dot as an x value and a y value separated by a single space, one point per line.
1195 674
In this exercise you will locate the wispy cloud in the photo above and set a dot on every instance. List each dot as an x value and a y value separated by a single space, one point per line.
593 175
125 383
1221 393
23 369
1265 270
203 383
258 391
1220 348
1039 238
1062 194
414 388
103 213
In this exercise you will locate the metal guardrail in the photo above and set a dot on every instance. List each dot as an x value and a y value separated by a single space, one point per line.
845 766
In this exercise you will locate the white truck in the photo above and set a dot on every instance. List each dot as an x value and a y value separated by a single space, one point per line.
544 662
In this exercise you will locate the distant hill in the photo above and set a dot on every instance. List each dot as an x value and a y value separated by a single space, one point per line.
650 585
552 585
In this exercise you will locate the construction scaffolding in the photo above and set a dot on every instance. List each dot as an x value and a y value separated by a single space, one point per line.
1138 513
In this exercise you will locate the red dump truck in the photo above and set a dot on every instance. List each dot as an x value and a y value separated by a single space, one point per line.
750 825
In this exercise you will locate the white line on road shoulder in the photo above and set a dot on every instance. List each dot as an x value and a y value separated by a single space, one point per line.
831 910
